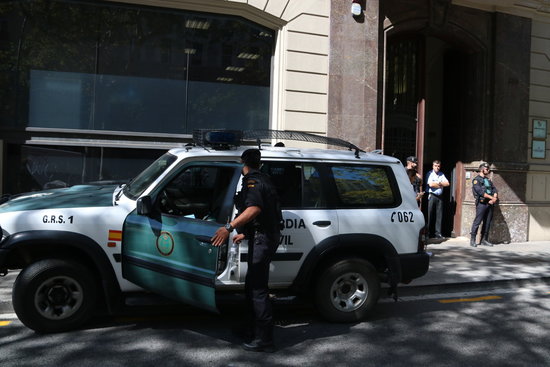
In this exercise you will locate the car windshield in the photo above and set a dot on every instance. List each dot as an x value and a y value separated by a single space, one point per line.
137 186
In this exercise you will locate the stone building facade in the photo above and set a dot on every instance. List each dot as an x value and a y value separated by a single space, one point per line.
459 81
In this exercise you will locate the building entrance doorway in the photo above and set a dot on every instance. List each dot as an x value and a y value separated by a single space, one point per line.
433 105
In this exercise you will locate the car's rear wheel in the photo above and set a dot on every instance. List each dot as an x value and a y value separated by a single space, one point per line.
54 295
347 290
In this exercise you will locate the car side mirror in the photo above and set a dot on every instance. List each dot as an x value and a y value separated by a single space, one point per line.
144 205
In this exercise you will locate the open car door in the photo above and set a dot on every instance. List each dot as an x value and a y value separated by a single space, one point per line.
166 241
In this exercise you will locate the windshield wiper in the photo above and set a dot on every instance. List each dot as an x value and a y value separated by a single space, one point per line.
118 194
122 187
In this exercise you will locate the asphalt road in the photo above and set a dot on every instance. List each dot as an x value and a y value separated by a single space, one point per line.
503 324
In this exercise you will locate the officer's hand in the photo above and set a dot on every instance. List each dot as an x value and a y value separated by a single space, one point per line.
220 237
238 238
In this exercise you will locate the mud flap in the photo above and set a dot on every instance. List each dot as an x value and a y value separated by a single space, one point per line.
394 275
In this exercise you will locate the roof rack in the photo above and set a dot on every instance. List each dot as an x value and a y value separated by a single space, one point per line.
224 139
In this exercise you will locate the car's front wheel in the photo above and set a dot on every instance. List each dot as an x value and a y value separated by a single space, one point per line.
347 290
54 295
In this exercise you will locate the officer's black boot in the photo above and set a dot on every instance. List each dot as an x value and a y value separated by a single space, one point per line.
473 241
485 240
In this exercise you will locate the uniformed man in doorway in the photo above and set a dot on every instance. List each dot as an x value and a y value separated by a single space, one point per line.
415 178
259 221
486 196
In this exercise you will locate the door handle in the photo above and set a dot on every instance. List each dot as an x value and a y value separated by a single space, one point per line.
322 223
204 239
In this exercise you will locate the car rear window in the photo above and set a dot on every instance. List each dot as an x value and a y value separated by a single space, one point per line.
363 186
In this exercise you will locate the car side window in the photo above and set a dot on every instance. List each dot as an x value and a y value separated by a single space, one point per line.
287 179
197 192
363 186
314 193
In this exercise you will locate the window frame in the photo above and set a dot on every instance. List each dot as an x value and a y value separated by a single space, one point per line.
227 202
329 187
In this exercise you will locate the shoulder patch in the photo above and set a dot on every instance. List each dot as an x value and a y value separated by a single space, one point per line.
475 182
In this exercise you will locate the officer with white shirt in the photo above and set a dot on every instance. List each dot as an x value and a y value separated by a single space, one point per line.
435 182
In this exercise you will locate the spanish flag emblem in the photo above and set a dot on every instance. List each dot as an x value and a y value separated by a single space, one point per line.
114 237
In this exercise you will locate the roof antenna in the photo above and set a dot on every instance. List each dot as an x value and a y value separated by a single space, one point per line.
259 142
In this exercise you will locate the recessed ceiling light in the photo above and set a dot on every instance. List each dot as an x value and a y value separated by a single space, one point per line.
234 68
197 24
248 56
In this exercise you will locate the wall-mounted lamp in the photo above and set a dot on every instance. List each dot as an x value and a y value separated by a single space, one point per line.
356 8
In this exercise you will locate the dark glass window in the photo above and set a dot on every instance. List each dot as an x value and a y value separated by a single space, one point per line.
363 186
102 66
402 86
287 179
200 192
327 186
146 177
31 168
315 191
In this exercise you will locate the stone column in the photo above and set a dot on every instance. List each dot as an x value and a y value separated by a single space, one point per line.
505 134
353 74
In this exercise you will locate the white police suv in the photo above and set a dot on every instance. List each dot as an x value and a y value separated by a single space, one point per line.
350 222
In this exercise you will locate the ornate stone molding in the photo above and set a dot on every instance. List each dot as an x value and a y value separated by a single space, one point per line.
541 6
525 8
439 10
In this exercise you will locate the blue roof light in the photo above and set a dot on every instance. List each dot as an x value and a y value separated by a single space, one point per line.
218 139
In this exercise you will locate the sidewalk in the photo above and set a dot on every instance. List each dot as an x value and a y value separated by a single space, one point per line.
454 261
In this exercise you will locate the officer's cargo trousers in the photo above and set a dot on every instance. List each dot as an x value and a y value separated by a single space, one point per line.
261 249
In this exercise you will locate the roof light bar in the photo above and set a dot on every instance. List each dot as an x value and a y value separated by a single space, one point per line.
218 139
225 139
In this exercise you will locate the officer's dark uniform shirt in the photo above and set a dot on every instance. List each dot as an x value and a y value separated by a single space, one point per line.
417 184
258 190
481 185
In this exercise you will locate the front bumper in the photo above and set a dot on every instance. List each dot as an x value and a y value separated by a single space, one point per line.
3 265
3 253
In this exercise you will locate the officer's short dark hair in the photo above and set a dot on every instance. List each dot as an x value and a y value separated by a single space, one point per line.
252 158
484 165
412 159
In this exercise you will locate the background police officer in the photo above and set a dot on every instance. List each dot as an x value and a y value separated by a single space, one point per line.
486 196
415 178
259 221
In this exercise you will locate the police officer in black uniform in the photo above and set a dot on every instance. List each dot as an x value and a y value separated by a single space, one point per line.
258 220
486 196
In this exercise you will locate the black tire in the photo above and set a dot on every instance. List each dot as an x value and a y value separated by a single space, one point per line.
347 291
54 295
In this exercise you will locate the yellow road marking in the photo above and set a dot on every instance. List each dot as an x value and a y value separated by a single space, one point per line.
475 299
5 323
